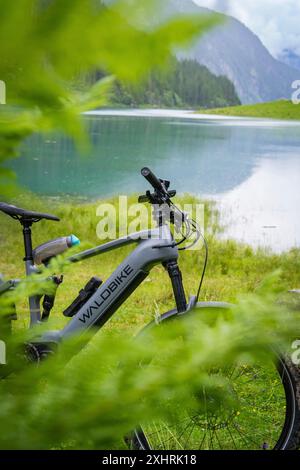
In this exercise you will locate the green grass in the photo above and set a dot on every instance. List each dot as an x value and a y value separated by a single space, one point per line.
282 109
233 268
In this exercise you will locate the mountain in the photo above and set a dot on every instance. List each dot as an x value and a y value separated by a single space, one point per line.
233 50
290 58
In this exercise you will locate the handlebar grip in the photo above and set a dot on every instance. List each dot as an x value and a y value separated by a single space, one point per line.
152 179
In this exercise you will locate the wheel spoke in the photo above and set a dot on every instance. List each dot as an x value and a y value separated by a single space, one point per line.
255 421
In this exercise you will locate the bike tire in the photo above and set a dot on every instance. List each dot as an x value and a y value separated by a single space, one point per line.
288 375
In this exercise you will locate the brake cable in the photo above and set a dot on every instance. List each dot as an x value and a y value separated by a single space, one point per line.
204 265
199 235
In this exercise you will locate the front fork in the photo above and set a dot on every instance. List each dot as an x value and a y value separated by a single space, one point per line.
177 285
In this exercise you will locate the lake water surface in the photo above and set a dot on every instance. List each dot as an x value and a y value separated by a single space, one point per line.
250 166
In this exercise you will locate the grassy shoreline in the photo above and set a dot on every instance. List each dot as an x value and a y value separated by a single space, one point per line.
233 268
282 109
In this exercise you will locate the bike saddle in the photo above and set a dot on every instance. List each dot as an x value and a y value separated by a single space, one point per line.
24 215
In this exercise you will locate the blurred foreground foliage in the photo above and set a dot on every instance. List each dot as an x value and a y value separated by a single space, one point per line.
115 383
45 45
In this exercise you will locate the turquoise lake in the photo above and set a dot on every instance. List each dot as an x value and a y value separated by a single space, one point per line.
250 166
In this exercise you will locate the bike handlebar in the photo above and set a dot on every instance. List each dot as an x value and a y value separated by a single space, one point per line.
153 180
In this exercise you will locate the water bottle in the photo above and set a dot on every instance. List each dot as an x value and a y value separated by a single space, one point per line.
44 252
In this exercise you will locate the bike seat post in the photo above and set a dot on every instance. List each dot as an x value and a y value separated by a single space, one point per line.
27 245
34 301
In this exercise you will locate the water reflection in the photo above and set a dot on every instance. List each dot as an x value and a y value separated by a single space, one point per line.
264 210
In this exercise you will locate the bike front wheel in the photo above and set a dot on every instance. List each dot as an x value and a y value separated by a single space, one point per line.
266 414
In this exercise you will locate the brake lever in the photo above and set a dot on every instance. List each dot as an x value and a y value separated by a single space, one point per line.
155 198
143 199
